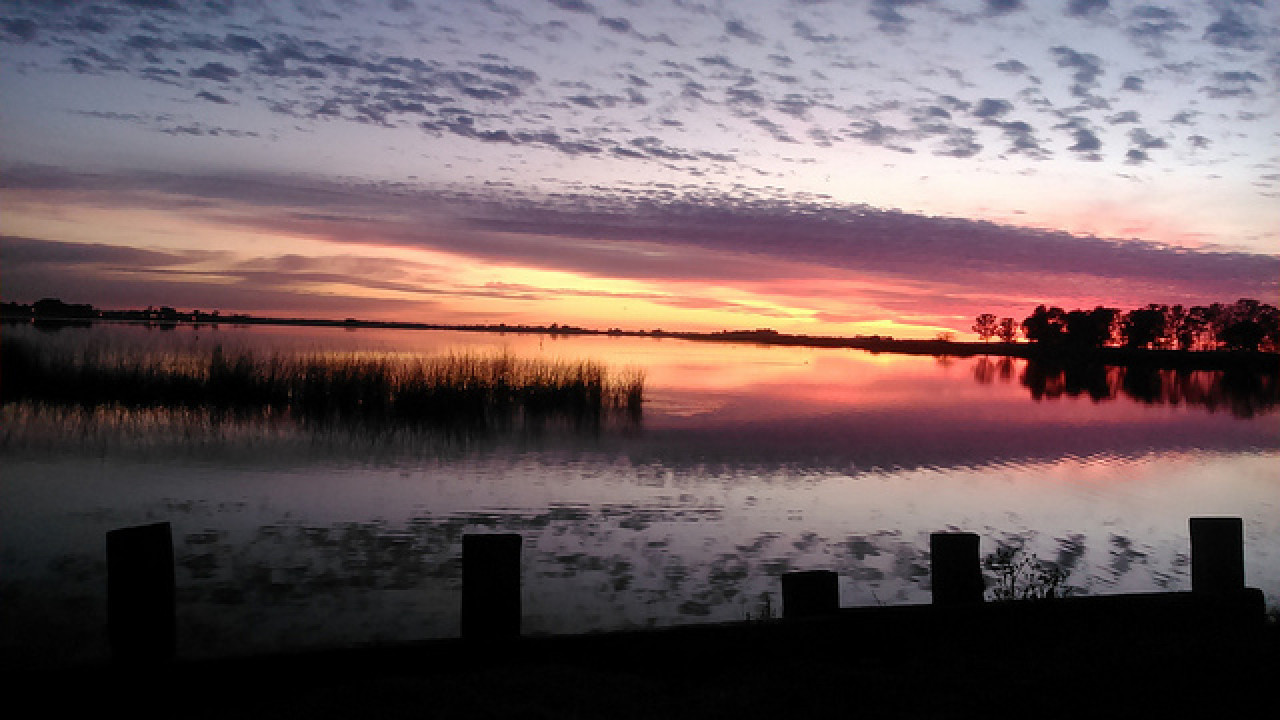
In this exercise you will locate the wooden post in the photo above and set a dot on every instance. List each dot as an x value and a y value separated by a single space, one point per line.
955 569
491 586
140 593
810 593
1217 554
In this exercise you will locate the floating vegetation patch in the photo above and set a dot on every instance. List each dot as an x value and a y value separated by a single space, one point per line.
460 392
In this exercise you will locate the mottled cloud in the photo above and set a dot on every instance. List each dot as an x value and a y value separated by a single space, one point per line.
212 97
739 29
1232 83
1133 83
1012 66
1002 7
20 29
214 71
1151 27
1085 136
1233 26
1145 140
807 32
577 6
1141 141
1020 134
992 108
1082 8
616 24
889 14
1086 69
486 97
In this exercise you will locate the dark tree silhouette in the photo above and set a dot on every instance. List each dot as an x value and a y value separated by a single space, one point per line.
1197 329
1007 330
1249 325
1143 328
55 308
1045 325
1176 319
986 326
1090 328
1246 325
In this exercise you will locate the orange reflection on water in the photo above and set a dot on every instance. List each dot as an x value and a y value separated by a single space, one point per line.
744 382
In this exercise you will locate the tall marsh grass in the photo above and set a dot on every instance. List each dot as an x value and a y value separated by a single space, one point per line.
462 390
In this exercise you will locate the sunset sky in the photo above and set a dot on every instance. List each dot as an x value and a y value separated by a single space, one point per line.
864 167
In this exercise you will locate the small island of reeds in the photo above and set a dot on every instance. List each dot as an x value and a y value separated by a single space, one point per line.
458 391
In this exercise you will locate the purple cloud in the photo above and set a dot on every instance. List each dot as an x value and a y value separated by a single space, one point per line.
215 71
614 237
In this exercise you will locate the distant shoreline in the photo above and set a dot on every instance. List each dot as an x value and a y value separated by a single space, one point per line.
1172 359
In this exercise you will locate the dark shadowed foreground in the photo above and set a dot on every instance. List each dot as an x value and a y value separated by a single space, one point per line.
1147 655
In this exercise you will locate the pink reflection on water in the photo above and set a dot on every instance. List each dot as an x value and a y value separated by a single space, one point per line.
751 461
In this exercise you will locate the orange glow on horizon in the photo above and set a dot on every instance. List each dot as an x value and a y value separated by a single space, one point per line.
440 287
312 271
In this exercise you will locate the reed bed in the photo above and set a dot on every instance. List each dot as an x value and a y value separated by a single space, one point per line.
466 390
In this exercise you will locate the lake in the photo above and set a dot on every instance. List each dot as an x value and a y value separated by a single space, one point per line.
748 462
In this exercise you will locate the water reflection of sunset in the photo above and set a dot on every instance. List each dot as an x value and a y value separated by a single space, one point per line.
747 461
837 169
747 381
796 403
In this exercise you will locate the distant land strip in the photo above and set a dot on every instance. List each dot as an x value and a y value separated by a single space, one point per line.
1255 360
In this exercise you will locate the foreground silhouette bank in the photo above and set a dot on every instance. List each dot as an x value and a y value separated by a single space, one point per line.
1204 653
141 594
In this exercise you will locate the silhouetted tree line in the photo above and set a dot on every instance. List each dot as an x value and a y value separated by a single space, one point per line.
50 308
1246 324
988 326
54 310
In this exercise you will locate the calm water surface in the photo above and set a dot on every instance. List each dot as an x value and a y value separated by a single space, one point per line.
749 462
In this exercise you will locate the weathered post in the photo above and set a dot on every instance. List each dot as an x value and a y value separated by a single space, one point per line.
1217 555
491 586
140 593
955 569
810 593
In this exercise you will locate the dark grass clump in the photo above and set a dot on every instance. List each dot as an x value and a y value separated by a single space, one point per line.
466 390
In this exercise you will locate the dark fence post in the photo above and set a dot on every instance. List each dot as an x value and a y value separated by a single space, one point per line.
491 586
1217 554
810 593
140 593
955 568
